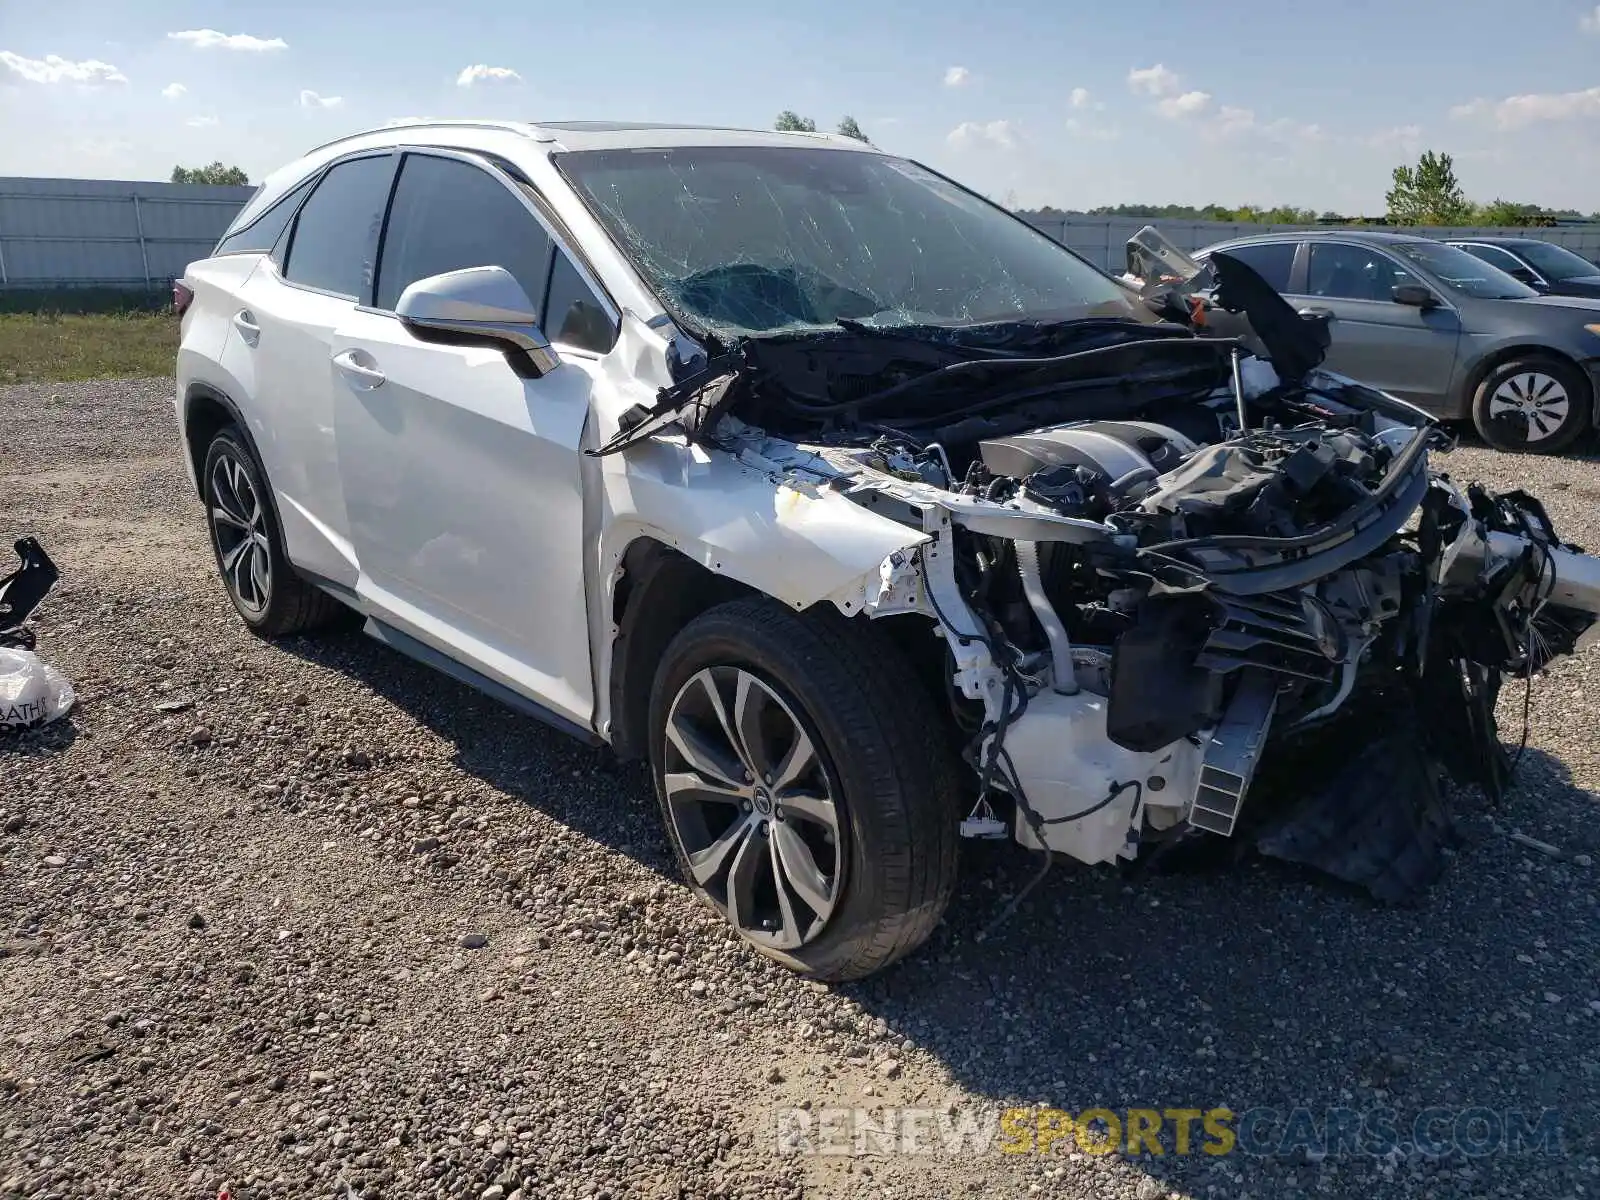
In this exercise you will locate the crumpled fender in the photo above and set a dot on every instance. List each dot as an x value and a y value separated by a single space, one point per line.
798 543
782 536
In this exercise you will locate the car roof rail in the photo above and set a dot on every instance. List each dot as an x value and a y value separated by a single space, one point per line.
518 127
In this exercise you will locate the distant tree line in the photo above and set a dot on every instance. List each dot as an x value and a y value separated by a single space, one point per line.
1425 194
792 122
214 173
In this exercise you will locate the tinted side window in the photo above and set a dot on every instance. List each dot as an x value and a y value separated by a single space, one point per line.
448 215
262 234
1271 260
331 247
1495 257
1348 272
573 314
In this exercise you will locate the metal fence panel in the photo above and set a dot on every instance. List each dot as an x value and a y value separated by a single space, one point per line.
107 232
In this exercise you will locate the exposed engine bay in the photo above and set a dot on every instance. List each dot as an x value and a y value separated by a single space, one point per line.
1183 590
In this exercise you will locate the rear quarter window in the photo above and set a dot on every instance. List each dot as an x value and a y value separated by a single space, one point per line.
262 234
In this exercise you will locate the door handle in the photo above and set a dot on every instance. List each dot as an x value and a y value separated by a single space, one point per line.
245 322
361 374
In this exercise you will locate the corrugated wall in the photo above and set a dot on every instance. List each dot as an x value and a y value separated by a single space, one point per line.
1102 239
114 233
107 233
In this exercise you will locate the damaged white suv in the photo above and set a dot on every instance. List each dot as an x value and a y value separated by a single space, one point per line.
869 515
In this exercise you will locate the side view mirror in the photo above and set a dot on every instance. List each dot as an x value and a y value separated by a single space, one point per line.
1414 295
480 306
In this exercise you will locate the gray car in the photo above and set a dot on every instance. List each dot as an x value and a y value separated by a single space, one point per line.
1434 325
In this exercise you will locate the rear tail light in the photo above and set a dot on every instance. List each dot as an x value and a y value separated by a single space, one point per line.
182 297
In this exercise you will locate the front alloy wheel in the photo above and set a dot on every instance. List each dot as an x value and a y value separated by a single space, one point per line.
1538 399
1536 405
752 807
807 784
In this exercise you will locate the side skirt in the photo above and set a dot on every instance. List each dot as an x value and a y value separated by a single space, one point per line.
429 657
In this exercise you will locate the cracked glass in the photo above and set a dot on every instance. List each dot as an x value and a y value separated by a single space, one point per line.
748 240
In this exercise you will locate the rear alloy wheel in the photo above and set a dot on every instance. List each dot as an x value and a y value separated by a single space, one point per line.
806 784
270 596
1532 405
239 529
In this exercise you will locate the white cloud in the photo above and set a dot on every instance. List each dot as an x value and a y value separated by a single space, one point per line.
310 99
1153 81
52 68
202 122
173 91
1188 104
1003 134
1094 133
1080 97
482 72
1296 131
1514 112
956 76
1590 21
1396 137
210 39
1235 120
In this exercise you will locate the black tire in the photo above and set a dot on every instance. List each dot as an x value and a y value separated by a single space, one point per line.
883 750
1537 404
289 604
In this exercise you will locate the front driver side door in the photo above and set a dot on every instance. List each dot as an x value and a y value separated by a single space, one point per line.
1399 348
461 478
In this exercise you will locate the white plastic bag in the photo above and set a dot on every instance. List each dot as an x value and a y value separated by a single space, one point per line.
31 691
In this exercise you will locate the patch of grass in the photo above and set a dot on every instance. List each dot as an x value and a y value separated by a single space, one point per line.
57 347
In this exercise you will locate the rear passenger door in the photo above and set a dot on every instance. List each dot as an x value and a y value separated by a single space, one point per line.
280 340
461 477
1400 348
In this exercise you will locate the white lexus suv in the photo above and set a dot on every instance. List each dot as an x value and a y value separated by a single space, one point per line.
867 514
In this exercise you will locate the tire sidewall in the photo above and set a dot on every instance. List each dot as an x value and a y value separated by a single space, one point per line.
702 645
230 442
1579 416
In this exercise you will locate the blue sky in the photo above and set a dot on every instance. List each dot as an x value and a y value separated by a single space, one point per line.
1075 104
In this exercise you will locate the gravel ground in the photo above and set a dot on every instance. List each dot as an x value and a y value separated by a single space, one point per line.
307 920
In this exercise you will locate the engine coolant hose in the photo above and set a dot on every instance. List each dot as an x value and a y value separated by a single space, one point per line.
1064 674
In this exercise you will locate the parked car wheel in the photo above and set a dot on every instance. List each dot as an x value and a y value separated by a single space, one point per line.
270 596
805 786
1534 405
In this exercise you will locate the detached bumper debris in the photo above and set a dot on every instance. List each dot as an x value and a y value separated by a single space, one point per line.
31 691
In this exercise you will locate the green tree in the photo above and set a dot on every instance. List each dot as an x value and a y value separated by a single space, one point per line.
850 129
215 173
1428 194
1507 212
791 122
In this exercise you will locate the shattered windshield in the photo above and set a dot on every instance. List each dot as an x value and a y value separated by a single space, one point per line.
753 239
